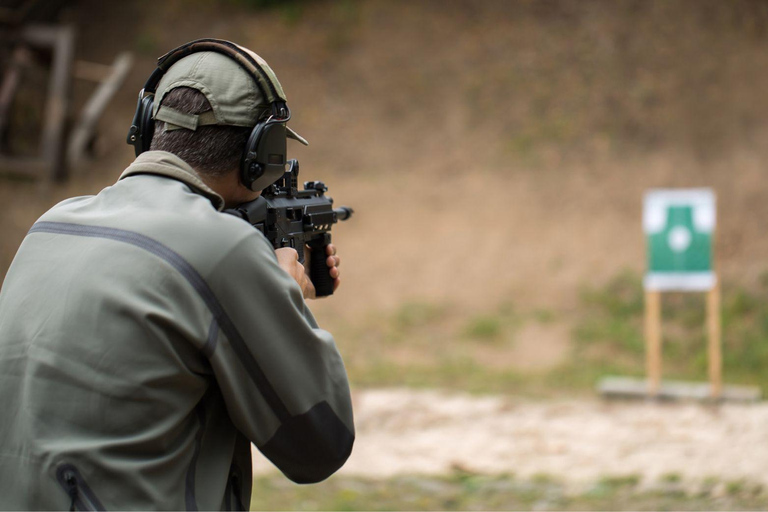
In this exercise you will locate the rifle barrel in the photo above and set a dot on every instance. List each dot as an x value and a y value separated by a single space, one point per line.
343 213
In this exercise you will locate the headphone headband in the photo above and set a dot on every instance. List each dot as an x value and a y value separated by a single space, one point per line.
265 79
264 157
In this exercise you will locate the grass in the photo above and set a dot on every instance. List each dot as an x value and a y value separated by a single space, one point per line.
484 327
463 490
423 344
611 331
417 314
671 478
427 344
458 374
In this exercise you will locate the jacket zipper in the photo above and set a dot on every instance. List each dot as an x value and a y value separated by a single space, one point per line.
80 494
233 490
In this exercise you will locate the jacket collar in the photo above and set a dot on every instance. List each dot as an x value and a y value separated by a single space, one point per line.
163 163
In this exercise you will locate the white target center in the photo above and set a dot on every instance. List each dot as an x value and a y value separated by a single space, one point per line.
679 238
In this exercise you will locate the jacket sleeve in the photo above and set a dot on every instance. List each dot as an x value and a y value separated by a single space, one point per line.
281 376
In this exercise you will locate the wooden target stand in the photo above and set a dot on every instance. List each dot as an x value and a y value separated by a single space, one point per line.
653 343
653 387
679 226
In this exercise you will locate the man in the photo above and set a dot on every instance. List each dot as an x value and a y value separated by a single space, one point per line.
146 338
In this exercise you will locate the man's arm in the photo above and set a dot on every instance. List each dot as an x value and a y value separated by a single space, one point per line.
281 376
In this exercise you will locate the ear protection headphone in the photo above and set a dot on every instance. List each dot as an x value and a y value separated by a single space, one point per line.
264 157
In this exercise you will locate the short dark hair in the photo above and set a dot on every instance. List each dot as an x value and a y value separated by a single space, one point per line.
213 150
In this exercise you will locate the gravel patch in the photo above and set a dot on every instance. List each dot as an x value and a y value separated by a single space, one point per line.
577 442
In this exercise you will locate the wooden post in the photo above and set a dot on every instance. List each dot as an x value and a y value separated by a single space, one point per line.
62 41
653 340
85 129
714 345
10 84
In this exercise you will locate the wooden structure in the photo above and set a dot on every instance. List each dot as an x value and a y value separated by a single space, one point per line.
653 342
57 150
60 41
680 226
632 388
109 78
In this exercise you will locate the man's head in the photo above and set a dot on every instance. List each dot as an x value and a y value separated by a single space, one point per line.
212 150
220 108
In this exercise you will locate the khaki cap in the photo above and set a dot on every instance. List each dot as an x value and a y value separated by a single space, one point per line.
235 98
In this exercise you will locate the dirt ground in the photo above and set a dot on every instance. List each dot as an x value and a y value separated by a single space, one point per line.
403 431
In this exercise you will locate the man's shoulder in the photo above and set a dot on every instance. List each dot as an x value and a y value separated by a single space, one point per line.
163 218
205 237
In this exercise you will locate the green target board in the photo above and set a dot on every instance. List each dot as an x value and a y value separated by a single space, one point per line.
679 225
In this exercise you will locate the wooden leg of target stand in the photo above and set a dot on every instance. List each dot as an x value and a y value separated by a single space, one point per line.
653 341
714 335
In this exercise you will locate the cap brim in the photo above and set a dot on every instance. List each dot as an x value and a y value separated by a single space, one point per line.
295 136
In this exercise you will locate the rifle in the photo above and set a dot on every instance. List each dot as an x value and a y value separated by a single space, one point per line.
295 218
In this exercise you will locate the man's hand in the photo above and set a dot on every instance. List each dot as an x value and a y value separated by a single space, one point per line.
333 263
288 259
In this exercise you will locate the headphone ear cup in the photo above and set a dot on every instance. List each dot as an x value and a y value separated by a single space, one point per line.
148 124
250 169
264 159
143 126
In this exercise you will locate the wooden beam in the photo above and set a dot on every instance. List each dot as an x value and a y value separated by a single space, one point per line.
9 86
85 129
61 39
92 71
653 341
628 387
714 334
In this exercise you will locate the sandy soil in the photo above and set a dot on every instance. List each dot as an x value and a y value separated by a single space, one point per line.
577 442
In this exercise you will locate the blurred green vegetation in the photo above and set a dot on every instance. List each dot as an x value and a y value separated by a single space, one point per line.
607 338
463 490
611 331
424 344
484 327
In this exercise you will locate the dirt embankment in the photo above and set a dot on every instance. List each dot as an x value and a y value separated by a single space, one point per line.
494 149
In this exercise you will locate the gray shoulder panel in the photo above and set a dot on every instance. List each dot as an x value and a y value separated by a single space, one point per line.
198 283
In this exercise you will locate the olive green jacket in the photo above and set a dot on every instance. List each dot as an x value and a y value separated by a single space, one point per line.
145 340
